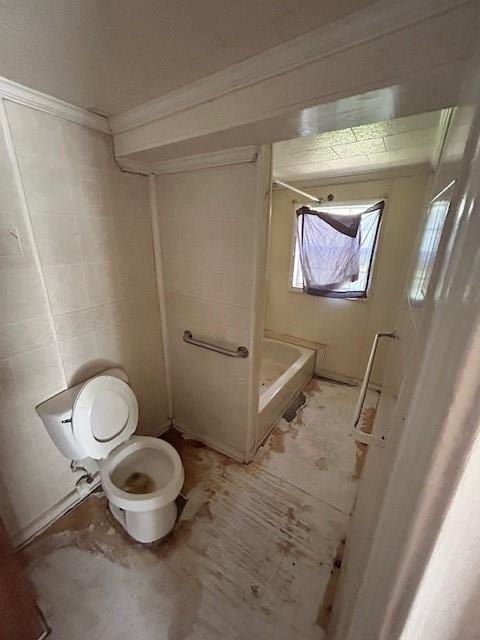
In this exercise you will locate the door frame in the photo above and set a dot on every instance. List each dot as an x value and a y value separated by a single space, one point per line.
438 429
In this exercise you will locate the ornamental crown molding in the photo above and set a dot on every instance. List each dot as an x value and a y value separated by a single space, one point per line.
239 155
19 93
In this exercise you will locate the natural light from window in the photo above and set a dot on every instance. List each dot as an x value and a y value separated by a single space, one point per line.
369 224
432 233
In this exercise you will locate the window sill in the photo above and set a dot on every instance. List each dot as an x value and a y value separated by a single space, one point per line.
298 290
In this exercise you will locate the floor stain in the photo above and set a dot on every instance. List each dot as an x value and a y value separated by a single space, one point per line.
183 623
322 464
205 511
313 387
191 452
326 607
366 425
291 515
276 442
179 535
286 546
367 419
88 527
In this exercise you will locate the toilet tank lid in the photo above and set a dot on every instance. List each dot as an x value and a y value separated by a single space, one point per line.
60 406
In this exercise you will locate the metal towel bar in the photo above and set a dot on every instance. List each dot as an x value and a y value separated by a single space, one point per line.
240 352
358 434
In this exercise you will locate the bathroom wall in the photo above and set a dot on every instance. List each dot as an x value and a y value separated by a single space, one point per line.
212 228
347 327
78 294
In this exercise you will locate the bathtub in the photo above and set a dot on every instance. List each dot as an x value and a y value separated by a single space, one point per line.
284 371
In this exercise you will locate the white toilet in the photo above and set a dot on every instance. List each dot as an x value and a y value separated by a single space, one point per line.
141 475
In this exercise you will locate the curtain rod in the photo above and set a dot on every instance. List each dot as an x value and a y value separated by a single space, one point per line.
302 193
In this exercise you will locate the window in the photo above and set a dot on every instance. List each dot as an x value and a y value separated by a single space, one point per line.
369 227
427 253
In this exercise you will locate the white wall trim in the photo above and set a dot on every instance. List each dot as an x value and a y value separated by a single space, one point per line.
35 528
258 301
135 166
34 99
165 426
239 155
375 176
162 299
342 379
213 443
367 24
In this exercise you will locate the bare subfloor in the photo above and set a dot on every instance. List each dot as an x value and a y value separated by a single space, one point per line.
254 555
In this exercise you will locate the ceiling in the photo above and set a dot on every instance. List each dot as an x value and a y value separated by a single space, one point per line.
111 55
381 146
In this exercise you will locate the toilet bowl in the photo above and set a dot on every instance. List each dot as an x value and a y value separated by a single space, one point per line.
141 475
142 479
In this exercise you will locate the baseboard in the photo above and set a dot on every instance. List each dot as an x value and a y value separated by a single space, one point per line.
342 379
39 525
165 426
230 452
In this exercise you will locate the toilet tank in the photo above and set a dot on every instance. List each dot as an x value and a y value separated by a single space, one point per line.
56 415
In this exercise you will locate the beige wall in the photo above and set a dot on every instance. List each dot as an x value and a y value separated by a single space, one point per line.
209 228
347 327
78 294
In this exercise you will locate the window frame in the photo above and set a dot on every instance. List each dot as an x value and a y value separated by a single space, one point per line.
347 203
421 284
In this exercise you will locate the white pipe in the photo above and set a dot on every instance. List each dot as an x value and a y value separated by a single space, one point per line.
157 252
263 188
299 191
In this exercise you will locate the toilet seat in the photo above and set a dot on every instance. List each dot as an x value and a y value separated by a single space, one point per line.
105 414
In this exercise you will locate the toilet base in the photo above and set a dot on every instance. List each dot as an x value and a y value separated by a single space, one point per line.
146 526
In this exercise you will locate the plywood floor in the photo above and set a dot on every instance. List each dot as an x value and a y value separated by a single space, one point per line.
252 555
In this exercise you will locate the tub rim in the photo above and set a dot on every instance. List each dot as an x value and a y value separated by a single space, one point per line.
269 393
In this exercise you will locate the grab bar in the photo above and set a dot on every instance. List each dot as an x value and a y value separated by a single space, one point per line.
358 434
240 352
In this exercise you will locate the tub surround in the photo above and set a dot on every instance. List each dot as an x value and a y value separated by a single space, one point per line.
212 227
301 342
78 295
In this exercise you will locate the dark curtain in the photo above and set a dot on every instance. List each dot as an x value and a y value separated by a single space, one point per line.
330 247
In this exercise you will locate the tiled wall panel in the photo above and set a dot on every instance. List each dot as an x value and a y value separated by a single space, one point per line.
88 302
207 230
